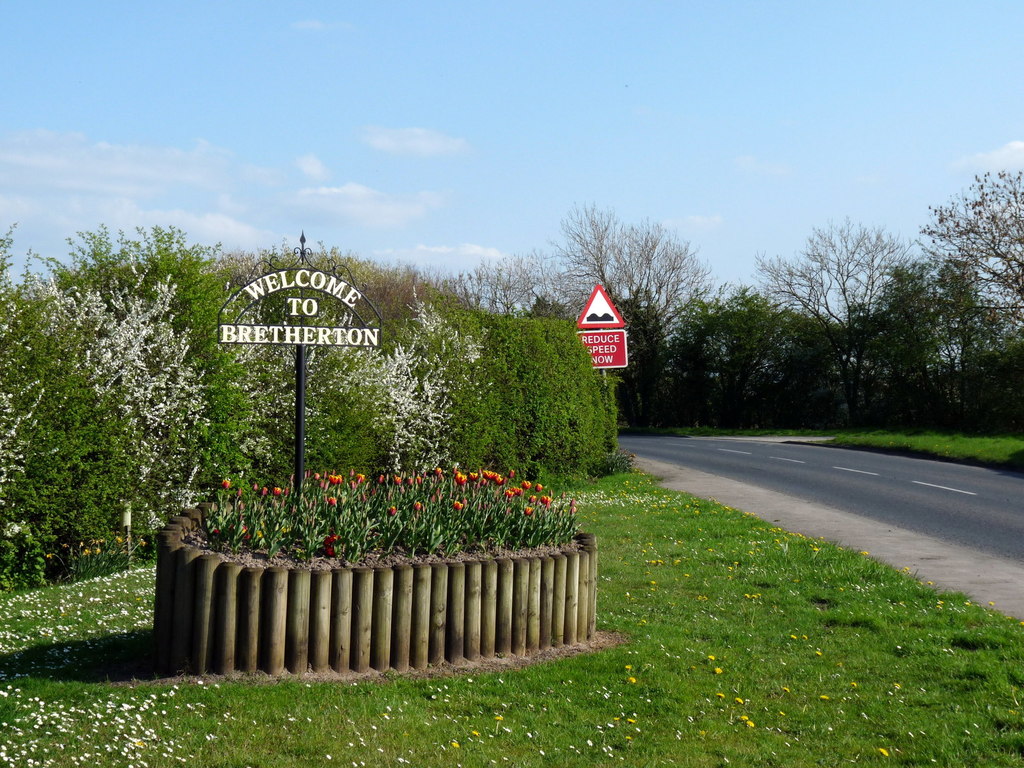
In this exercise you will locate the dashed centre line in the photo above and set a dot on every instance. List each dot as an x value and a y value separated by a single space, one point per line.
945 488
851 469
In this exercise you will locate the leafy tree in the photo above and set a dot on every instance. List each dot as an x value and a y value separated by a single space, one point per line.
740 361
939 345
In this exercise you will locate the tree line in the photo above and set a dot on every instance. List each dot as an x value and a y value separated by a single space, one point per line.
859 328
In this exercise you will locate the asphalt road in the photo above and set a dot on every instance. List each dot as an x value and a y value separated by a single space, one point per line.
975 507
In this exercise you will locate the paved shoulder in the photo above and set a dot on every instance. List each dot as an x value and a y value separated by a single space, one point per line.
984 577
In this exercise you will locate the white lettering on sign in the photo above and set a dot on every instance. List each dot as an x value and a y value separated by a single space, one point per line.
601 338
303 307
607 347
299 334
303 278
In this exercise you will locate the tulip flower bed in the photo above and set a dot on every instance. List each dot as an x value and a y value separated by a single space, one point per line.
347 517
349 574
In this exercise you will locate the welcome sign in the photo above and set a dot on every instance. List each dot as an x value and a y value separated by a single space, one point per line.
301 305
299 311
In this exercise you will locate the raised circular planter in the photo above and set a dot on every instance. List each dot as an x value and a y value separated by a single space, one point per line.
213 615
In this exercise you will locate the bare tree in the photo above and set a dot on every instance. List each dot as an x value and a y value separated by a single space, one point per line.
513 284
982 232
838 280
641 264
649 274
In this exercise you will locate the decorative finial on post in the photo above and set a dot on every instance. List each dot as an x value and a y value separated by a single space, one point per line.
302 251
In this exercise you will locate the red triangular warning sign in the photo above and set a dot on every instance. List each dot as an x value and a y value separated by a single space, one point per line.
600 312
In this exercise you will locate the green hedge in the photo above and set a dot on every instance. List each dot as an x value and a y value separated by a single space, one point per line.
545 409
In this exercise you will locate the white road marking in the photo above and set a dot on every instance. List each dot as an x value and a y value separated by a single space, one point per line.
728 450
945 488
858 471
783 458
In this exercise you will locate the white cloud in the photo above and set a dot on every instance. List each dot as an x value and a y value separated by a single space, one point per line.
1009 157
54 185
362 205
312 168
751 164
68 162
309 24
454 258
413 141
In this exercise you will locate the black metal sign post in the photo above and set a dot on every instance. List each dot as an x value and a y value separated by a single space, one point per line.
300 416
253 315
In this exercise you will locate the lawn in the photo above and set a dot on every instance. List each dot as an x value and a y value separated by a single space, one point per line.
745 645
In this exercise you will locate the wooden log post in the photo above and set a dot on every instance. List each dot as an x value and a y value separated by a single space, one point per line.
341 620
558 601
225 630
202 614
401 622
455 630
520 597
583 597
419 645
274 620
297 622
320 621
362 618
547 591
383 605
472 639
572 592
503 603
249 604
533 606
438 612
184 597
591 546
168 542
488 607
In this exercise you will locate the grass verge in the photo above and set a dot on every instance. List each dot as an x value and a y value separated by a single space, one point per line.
747 645
1005 450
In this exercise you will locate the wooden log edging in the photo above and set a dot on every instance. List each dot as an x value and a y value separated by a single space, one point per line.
212 615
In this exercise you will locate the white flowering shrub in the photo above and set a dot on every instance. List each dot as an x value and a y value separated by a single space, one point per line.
414 388
138 363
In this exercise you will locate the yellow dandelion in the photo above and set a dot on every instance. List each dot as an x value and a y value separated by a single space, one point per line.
824 697
631 679
884 751
739 700
750 723
455 744
785 689
720 695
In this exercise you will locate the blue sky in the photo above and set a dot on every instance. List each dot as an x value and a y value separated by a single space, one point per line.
447 133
